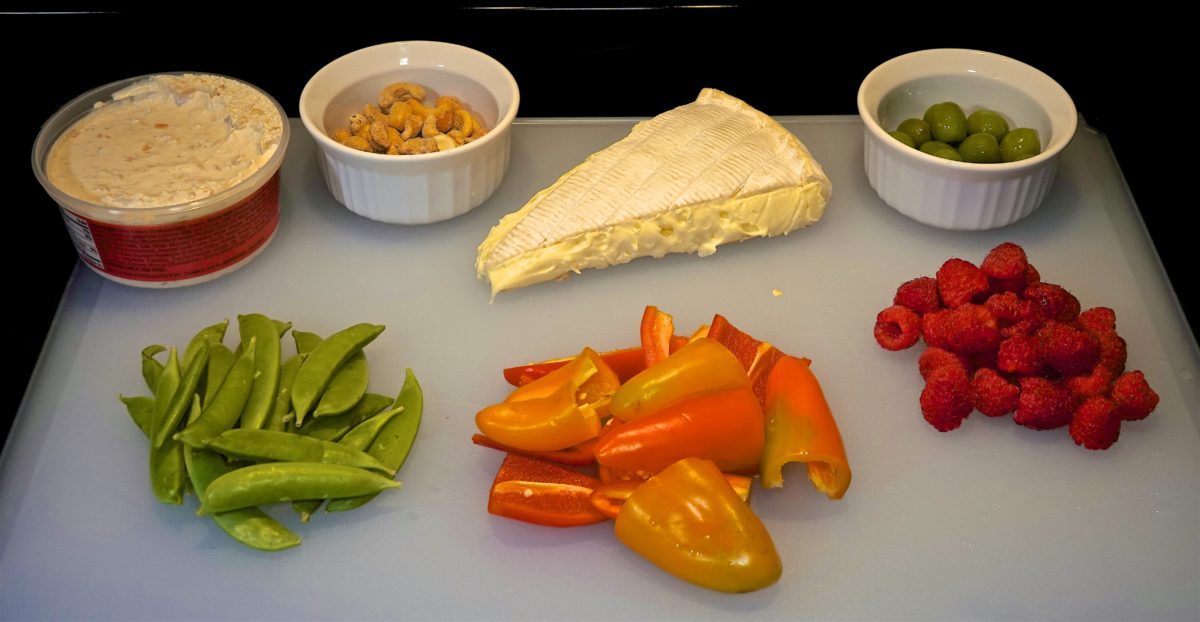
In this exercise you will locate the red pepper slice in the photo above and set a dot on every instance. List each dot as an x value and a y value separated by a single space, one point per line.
657 330
725 427
534 491
578 455
626 363
758 358
609 497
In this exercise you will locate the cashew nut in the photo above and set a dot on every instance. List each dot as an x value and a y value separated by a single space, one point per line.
429 128
412 127
398 116
398 92
379 134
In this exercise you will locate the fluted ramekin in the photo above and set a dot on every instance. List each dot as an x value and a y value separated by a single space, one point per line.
412 189
962 195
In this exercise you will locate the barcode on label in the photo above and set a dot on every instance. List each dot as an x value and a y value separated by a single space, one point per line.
81 234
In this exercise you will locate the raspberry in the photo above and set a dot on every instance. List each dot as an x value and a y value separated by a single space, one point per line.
1024 327
1017 284
1133 396
1096 424
935 328
933 358
1112 352
920 295
973 329
946 399
897 328
1043 405
1053 302
981 360
1019 355
1032 277
1094 384
992 395
1098 320
1005 262
960 282
1009 309
1067 349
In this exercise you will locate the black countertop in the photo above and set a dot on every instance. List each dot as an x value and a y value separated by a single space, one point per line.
576 62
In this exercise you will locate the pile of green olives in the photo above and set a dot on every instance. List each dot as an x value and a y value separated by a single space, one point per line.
983 137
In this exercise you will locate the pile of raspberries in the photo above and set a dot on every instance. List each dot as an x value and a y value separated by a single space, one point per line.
1001 340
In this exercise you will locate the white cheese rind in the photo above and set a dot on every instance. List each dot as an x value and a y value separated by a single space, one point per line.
709 172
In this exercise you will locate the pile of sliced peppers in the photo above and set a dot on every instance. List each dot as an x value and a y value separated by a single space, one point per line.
665 439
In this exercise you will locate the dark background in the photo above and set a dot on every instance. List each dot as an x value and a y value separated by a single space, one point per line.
586 62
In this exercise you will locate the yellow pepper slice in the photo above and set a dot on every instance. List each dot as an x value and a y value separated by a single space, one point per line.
701 366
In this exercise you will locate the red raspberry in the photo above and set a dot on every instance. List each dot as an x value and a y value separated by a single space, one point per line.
1032 277
1043 405
1098 320
946 399
1019 355
935 328
1133 396
1067 349
1005 262
1009 309
1053 302
1017 284
1096 424
1112 352
960 282
992 395
973 329
1091 385
1024 327
920 295
933 358
897 328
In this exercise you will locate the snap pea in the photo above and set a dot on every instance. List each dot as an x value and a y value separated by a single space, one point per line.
208 335
305 341
167 425
322 363
166 461
151 368
266 445
220 359
281 327
335 427
348 386
283 399
395 440
141 410
275 482
226 406
359 439
250 526
261 401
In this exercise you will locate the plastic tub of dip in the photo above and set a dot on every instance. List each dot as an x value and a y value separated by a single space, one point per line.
166 180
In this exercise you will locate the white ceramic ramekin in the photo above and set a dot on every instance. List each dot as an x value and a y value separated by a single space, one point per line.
962 195
173 245
412 189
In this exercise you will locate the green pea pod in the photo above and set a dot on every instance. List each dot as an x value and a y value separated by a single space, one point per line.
282 327
151 369
359 439
166 461
220 359
395 440
250 526
323 362
348 386
335 427
169 423
209 335
283 399
306 342
276 482
226 405
265 445
266 365
141 410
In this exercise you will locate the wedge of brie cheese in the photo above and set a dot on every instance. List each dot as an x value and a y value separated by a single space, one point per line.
706 173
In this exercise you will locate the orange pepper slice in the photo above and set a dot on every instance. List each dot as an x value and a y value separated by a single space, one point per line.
801 428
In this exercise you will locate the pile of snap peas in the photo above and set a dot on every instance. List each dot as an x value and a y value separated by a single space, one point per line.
244 428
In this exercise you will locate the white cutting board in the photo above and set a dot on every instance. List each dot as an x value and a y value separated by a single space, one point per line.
989 521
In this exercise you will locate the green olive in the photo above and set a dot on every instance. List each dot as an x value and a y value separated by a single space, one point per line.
933 146
987 122
981 148
948 154
1019 144
904 138
947 122
916 129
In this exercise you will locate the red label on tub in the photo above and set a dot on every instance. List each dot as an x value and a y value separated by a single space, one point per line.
179 250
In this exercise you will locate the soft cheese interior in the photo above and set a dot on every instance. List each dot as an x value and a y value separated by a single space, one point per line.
709 172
